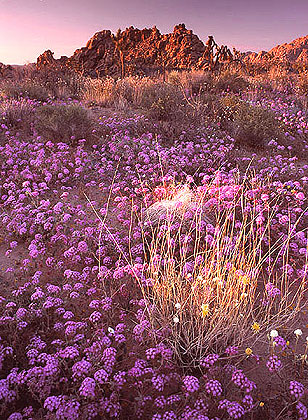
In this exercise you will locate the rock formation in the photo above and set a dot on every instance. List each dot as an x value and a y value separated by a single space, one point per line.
47 60
6 70
293 52
143 51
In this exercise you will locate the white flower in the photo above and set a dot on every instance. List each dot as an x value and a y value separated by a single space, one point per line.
110 330
298 332
274 333
177 306
176 319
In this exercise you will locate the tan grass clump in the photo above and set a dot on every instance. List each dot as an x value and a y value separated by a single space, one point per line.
220 297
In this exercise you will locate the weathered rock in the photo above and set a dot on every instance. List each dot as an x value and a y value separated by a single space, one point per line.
144 50
45 60
293 52
184 201
6 71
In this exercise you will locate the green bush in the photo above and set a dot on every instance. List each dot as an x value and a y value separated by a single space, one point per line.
250 125
163 102
64 123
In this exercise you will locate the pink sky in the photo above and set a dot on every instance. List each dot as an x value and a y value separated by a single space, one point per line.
29 27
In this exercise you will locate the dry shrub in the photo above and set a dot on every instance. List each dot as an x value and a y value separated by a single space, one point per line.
18 114
215 303
193 82
99 91
60 83
64 123
25 89
231 82
301 88
164 102
250 125
132 91
43 84
280 79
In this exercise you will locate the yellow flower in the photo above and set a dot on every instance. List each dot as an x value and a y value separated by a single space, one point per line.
256 327
244 279
288 343
261 404
248 351
205 309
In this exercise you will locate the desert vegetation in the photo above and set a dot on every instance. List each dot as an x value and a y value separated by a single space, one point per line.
154 245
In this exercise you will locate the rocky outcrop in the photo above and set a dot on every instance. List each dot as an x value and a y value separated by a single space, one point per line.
6 71
47 60
141 50
293 52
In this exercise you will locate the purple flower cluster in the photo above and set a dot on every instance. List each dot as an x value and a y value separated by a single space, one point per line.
213 387
191 384
272 290
239 379
209 360
296 389
234 409
274 364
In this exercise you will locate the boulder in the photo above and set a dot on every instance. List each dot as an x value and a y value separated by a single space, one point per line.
174 209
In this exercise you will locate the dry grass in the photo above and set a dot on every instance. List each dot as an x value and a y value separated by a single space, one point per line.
18 114
216 303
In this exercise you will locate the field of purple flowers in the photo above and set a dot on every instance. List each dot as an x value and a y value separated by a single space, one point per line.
81 336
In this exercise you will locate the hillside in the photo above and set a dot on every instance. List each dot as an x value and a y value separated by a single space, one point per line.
293 52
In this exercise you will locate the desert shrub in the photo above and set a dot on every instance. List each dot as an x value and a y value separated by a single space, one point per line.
301 88
63 123
280 79
249 125
164 103
133 91
232 82
26 89
194 82
18 114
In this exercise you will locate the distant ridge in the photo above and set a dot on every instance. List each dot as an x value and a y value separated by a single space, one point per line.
294 52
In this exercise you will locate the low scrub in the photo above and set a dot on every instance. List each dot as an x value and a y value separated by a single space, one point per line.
18 114
231 82
193 83
25 89
64 123
250 125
